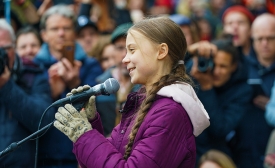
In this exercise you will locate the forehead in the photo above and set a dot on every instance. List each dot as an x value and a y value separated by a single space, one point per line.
234 17
4 37
57 19
27 38
223 58
135 37
262 29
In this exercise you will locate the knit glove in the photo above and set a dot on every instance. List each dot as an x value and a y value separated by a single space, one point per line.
89 107
71 122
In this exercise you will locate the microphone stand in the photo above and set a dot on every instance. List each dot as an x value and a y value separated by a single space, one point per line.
14 145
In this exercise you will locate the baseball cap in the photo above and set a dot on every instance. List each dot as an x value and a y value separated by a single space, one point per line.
84 21
120 31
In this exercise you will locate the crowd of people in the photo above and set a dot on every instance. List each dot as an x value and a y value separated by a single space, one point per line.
197 83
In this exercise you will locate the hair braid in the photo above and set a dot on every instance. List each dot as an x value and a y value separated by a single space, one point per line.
146 104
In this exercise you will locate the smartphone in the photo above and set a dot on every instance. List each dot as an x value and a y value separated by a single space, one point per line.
68 52
256 85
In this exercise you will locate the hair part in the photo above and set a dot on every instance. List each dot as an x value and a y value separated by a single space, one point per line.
4 25
62 10
160 30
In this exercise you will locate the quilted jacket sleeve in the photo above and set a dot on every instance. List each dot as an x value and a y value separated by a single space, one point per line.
165 139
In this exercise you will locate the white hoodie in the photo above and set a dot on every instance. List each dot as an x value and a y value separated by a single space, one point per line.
184 94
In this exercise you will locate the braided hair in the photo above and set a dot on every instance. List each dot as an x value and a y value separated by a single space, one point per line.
160 30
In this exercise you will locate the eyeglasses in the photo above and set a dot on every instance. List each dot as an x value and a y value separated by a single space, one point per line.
268 39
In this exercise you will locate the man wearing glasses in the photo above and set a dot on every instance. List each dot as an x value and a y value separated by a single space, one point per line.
254 131
24 95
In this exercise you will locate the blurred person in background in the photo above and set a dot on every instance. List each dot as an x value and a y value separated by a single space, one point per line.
254 132
24 95
189 28
138 9
106 14
58 25
215 159
237 21
257 7
104 52
28 43
223 90
87 33
162 7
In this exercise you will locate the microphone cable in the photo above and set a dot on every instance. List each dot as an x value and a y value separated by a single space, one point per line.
37 138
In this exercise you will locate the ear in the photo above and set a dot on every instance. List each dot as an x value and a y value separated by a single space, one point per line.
163 51
44 35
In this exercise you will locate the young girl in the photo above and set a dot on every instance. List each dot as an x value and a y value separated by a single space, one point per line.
159 123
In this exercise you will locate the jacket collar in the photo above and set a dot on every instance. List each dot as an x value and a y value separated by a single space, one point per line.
47 58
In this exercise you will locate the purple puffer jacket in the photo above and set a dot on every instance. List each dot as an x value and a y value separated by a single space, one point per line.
164 139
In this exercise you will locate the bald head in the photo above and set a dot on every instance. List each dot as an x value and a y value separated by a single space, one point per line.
263 35
263 21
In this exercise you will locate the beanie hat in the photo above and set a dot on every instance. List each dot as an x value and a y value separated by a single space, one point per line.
240 9
120 31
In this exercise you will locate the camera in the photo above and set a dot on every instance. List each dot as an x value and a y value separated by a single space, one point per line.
205 64
4 60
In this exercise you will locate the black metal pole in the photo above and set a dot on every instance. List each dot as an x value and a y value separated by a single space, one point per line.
14 145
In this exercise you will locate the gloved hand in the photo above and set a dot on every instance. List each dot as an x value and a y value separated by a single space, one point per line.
71 122
89 107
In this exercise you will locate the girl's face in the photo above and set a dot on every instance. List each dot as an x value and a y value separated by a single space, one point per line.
142 59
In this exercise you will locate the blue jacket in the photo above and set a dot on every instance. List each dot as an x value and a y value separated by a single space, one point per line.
270 109
54 145
21 106
257 72
253 134
226 107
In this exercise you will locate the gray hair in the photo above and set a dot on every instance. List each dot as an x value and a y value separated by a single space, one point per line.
4 25
62 10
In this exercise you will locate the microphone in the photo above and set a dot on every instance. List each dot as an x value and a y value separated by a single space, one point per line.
110 86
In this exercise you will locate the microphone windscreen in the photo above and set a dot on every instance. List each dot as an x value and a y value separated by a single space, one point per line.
111 85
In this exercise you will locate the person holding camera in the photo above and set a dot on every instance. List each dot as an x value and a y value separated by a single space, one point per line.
24 95
222 89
